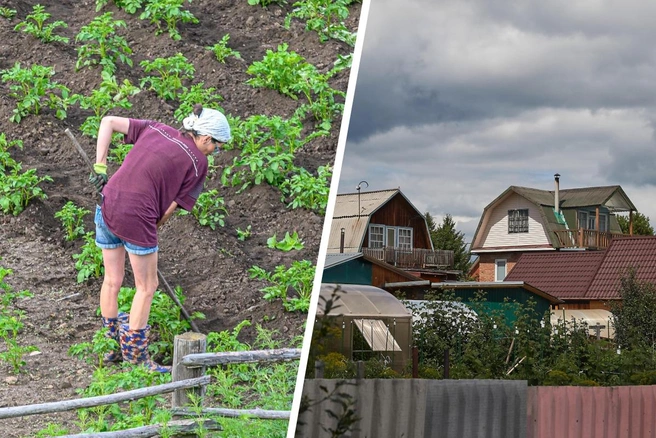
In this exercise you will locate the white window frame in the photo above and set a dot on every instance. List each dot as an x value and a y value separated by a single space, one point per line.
372 231
386 231
404 246
521 218
496 269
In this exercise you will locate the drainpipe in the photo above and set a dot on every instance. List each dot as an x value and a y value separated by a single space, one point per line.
341 242
557 193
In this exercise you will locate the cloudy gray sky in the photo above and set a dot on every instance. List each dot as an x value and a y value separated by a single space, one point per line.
458 99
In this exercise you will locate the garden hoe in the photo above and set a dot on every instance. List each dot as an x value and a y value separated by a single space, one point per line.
167 288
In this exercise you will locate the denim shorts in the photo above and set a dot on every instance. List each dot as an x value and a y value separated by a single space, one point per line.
105 239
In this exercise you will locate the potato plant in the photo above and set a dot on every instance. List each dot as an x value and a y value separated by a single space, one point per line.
32 89
129 6
34 24
72 219
18 188
102 45
171 72
191 96
209 209
7 12
109 95
325 17
298 277
222 51
166 14
7 162
308 191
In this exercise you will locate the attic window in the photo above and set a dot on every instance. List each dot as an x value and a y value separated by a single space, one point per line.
518 221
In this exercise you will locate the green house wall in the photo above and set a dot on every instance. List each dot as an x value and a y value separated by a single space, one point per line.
352 272
496 298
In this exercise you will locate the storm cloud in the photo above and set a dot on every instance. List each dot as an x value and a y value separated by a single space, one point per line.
457 100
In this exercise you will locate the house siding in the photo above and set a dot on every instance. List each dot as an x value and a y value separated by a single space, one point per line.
496 234
397 212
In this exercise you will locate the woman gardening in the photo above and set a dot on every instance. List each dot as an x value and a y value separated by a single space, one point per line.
165 169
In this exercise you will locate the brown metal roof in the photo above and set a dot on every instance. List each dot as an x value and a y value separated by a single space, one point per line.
637 251
563 274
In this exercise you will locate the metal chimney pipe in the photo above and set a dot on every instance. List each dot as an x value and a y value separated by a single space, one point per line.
341 242
557 193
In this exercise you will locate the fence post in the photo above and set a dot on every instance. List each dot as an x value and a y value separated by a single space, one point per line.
184 344
318 369
415 362
360 369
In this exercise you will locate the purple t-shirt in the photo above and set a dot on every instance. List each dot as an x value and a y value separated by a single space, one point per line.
163 166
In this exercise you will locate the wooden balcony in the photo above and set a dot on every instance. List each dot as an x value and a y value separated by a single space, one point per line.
583 238
412 259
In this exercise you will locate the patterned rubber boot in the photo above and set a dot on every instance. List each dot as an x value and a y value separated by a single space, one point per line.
112 325
134 346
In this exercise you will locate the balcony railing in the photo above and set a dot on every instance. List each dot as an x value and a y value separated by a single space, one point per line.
412 258
583 238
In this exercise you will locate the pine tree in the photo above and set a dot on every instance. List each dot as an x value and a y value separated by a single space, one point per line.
446 237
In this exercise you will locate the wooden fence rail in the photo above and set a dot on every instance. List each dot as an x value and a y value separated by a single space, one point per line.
189 363
69 405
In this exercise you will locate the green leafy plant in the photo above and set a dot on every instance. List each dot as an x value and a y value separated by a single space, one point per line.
34 24
326 17
308 191
268 145
94 352
72 218
287 243
281 71
11 323
109 95
89 262
118 153
209 209
32 89
298 276
244 234
18 188
129 6
166 14
222 51
191 96
265 3
7 163
7 13
172 72
103 45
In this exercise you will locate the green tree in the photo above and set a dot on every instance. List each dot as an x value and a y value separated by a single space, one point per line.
634 318
445 236
641 225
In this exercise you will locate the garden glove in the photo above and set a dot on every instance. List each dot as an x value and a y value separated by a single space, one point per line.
98 178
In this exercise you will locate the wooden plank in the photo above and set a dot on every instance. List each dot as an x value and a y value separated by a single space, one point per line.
228 357
68 405
183 345
262 414
176 427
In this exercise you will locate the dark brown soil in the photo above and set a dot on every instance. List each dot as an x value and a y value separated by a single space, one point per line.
210 266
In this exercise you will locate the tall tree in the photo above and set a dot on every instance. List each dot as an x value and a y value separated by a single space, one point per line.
641 225
445 236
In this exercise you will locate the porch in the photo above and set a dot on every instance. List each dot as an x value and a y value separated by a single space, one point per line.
584 238
417 258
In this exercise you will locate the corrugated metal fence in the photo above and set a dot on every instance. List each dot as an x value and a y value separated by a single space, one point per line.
412 408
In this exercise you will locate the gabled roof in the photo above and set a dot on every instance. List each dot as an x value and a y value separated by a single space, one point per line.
346 204
588 275
638 252
354 223
612 197
563 274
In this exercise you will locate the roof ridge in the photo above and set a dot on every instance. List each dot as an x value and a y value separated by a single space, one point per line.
372 191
